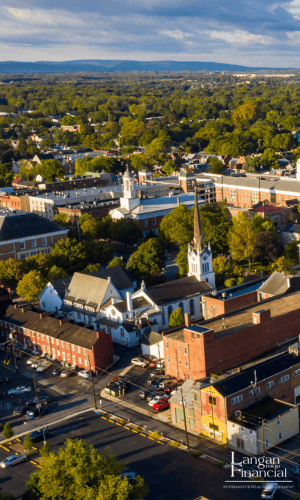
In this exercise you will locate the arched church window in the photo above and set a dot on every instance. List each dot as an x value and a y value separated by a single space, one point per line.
192 307
182 308
170 310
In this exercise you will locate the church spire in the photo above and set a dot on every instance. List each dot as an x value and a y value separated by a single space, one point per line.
198 235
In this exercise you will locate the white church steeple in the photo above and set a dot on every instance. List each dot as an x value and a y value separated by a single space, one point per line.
129 199
200 256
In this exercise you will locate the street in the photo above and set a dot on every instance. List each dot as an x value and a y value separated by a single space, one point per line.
170 474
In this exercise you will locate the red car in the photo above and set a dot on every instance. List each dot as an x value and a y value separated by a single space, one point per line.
161 405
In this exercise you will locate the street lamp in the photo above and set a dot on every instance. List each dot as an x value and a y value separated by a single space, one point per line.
138 324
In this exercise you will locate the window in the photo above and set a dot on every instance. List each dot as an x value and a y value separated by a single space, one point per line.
43 337
170 310
122 332
168 358
74 360
179 362
195 397
153 222
78 348
296 372
68 346
37 335
214 427
284 378
254 197
212 400
237 399
192 307
69 357
184 350
85 362
270 384
267 442
44 241
254 391
84 351
22 245
192 335
145 222
57 342
186 364
250 432
280 435
73 347
63 344
232 194
79 361
178 348
181 304
33 243
167 345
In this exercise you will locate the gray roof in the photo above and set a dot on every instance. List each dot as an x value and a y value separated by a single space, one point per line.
26 225
264 183
151 338
291 228
88 288
118 276
60 286
177 289
67 332
280 283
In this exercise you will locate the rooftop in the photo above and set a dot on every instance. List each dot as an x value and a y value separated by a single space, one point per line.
15 225
177 289
267 409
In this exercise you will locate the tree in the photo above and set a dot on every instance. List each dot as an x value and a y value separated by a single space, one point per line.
169 167
7 496
281 265
98 252
126 231
28 443
147 262
49 170
62 220
69 255
267 247
91 268
269 158
260 225
215 166
45 451
233 282
56 273
7 431
292 251
79 471
182 261
10 269
31 285
176 318
242 239
178 226
116 261
90 229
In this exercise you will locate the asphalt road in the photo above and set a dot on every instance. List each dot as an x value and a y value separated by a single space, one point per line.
170 474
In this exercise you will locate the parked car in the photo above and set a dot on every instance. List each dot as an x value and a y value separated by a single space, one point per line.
130 476
121 379
144 393
65 373
12 460
3 380
269 490
161 405
164 383
84 374
57 371
43 399
158 372
30 360
19 411
156 382
151 395
21 389
34 412
39 435
30 404
43 366
140 362
36 363
171 388
157 398
160 363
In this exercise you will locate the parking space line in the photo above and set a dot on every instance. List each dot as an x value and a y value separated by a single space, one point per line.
152 439
105 418
118 424
160 442
4 447
136 432
141 434
110 420
125 427
18 440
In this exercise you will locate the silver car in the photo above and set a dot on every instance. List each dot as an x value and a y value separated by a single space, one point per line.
140 362
13 460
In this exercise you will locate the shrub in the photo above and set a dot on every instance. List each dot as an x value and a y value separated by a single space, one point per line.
175 444
155 435
220 464
28 443
197 453
7 431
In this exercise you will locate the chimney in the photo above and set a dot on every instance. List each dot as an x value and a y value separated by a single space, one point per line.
15 305
109 280
178 201
187 319
113 300
63 320
26 308
129 304
43 314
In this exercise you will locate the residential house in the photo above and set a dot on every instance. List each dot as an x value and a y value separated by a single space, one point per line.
277 284
289 234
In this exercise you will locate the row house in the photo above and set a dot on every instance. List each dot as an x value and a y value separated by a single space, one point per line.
211 403
64 341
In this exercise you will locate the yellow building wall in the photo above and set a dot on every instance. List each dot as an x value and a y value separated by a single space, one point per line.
220 434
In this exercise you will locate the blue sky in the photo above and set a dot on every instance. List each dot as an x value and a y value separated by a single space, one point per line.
247 32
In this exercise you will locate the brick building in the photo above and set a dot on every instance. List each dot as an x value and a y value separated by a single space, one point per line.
280 216
246 191
96 208
210 403
219 344
24 234
65 341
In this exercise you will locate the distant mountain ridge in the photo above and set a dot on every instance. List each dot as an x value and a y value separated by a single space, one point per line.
112 66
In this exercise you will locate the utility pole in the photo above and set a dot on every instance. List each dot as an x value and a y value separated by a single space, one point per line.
93 387
11 336
263 436
37 396
184 417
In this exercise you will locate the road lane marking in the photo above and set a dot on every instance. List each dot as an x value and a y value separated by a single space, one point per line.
141 434
4 447
152 439
160 442
110 420
118 424
136 432
125 427
105 418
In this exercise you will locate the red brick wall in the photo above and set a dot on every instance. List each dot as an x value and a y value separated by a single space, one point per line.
210 355
102 351
221 307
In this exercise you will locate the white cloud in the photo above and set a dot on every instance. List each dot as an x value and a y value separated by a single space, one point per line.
241 37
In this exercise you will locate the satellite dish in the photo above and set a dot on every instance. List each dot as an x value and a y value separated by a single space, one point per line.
238 414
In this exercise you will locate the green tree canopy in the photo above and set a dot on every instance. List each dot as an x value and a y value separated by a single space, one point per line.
169 167
89 229
79 472
7 431
242 238
282 264
69 255
49 170
10 269
215 166
176 318
126 231
31 285
291 251
116 261
56 273
147 261
259 224
182 261
178 226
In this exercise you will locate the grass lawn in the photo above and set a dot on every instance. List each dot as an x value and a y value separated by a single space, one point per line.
255 266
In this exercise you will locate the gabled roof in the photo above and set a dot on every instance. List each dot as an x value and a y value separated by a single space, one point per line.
60 286
88 288
280 283
291 228
266 369
151 338
25 225
177 289
119 277
186 392
67 332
